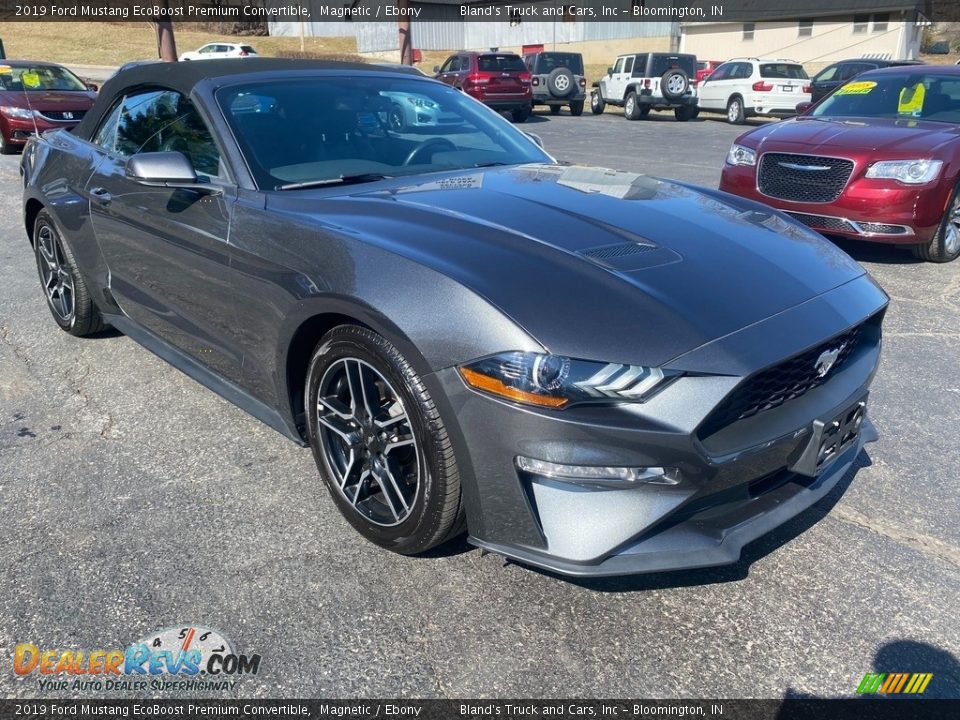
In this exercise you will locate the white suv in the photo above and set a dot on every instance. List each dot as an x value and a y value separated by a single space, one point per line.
745 87
217 50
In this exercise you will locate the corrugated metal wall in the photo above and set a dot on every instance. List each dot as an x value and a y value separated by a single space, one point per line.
452 33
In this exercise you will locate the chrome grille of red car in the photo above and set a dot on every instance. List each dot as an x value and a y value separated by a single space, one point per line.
803 178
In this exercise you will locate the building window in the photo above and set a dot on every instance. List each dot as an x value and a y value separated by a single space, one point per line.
880 22
748 29
805 28
860 23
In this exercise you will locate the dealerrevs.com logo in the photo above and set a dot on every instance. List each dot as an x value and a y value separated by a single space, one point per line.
189 657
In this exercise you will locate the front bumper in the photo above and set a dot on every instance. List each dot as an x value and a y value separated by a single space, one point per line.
734 484
867 209
17 131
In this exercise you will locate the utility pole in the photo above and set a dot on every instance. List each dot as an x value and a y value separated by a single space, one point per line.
166 42
403 27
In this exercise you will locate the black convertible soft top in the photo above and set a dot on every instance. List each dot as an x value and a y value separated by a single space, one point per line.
183 76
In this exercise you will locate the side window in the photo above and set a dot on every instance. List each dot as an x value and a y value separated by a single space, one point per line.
106 134
640 66
722 72
853 69
163 121
628 66
447 65
744 71
206 49
828 74
618 66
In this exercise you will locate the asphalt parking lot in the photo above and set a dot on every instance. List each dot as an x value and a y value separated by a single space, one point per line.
135 500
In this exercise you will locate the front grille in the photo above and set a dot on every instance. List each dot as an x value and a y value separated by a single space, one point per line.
803 178
63 115
822 222
790 379
827 223
882 228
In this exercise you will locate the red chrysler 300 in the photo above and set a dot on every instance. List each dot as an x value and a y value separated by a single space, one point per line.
879 159
38 96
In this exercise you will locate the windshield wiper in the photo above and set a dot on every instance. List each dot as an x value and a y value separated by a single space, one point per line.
490 164
342 180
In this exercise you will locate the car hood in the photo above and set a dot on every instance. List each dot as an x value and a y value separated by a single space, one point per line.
894 136
49 99
594 263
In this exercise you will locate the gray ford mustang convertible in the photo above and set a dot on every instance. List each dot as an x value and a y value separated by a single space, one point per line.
591 371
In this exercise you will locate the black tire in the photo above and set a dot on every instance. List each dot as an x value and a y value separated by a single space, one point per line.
561 83
597 105
576 108
6 148
521 114
735 112
632 109
674 84
51 249
945 245
554 109
435 512
396 119
685 112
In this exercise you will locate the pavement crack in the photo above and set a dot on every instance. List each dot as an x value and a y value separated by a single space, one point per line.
925 544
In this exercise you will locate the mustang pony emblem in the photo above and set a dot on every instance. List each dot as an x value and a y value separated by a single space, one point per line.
827 360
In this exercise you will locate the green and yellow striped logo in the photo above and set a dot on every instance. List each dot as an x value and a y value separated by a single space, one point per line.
894 683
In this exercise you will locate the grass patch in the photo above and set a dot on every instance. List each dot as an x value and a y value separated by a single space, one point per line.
103 43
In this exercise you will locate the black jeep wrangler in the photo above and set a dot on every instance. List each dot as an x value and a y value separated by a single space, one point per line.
557 79
641 82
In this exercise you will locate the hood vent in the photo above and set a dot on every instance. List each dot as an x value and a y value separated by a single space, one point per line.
630 256
609 252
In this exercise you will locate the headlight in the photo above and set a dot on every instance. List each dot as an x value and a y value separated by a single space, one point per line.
420 102
740 155
557 382
911 172
17 112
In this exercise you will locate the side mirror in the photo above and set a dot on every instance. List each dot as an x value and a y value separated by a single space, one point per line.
165 169
436 68
609 71
536 138
803 107
93 87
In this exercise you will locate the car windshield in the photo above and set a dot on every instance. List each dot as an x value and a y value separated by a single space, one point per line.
907 95
313 129
548 62
500 63
784 71
661 63
38 78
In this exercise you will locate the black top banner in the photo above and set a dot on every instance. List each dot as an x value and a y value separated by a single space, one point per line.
473 10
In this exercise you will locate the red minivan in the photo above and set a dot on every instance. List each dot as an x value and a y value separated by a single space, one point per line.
498 80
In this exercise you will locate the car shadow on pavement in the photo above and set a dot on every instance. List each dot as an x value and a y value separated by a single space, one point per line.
879 253
902 656
752 552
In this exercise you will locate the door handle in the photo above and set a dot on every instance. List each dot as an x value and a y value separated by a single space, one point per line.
100 196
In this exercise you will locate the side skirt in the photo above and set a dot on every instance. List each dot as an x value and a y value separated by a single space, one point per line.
206 377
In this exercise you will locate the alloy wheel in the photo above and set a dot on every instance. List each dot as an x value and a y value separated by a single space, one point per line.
631 105
55 274
368 441
733 111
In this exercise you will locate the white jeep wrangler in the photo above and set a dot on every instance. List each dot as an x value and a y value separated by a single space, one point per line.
640 82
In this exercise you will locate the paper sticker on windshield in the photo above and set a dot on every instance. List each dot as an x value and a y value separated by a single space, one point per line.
5 69
857 88
911 100
30 79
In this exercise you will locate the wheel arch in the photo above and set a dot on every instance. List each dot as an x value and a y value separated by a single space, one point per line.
31 209
307 333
